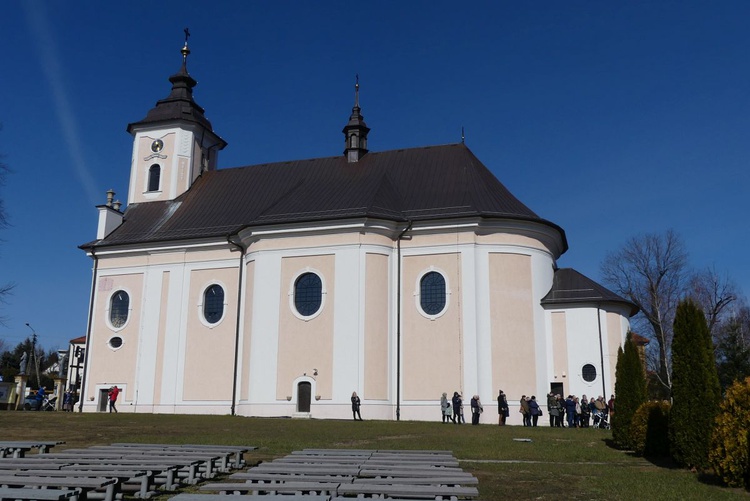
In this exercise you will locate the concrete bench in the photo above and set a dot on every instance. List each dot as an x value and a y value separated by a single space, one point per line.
185 469
250 497
411 472
43 445
408 491
31 494
446 480
307 469
85 484
160 474
253 476
237 451
297 487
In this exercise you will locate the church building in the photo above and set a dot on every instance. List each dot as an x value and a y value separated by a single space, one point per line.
281 289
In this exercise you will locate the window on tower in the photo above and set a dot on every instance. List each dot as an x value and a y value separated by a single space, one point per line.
154 175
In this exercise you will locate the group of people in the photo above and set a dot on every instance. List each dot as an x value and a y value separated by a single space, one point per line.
452 409
578 413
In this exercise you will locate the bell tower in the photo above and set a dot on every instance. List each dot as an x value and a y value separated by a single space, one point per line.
173 144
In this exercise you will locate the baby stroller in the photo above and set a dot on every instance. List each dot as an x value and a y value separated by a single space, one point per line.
601 420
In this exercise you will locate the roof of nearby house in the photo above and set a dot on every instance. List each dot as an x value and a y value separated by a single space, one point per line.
416 184
639 340
570 286
78 340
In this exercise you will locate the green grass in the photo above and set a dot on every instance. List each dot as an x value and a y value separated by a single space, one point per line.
557 464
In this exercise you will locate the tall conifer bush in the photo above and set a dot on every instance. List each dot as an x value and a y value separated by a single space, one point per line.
695 387
630 390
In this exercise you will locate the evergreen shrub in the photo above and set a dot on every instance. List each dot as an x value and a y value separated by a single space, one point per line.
730 445
649 429
630 390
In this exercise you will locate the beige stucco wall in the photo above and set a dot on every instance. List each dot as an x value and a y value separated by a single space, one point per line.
282 242
114 366
560 348
205 379
247 330
111 262
142 167
306 344
376 327
432 361
160 353
512 321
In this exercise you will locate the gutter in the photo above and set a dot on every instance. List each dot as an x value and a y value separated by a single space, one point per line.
601 348
398 321
88 331
237 324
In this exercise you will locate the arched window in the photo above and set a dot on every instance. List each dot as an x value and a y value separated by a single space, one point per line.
154 173
119 307
308 294
432 293
588 372
213 304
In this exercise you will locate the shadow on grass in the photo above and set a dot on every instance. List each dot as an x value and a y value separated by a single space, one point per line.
659 461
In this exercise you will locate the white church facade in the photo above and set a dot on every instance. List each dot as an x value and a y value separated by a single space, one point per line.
280 289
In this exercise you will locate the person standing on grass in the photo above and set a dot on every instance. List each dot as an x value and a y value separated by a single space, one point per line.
476 409
552 408
40 393
502 408
445 408
524 410
534 411
457 403
570 411
113 393
355 406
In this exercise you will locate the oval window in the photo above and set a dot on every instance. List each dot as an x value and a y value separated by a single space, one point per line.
213 304
432 293
119 307
308 294
588 372
115 342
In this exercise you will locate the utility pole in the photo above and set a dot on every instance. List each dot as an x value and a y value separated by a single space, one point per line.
33 354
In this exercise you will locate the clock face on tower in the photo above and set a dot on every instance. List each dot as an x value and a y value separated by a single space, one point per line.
157 145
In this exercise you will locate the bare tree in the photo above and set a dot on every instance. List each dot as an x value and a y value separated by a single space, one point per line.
650 270
713 293
5 289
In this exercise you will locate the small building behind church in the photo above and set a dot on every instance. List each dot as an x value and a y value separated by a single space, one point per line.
280 289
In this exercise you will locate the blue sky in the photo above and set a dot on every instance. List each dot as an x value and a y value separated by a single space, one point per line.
608 118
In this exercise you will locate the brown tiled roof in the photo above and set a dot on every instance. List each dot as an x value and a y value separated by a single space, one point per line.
414 184
78 340
570 286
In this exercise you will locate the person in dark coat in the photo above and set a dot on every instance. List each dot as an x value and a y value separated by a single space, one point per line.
502 408
457 402
355 406
570 411
534 410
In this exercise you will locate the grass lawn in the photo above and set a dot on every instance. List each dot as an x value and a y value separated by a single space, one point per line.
558 463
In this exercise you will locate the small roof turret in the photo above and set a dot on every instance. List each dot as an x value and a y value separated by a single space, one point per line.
355 132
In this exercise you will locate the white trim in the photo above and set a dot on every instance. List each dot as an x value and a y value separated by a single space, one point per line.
107 311
579 372
418 292
323 293
109 342
201 298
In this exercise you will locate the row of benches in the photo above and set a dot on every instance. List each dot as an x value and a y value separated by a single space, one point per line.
110 470
328 474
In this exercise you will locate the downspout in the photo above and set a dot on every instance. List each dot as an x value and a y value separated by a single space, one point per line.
601 348
398 322
88 332
237 325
